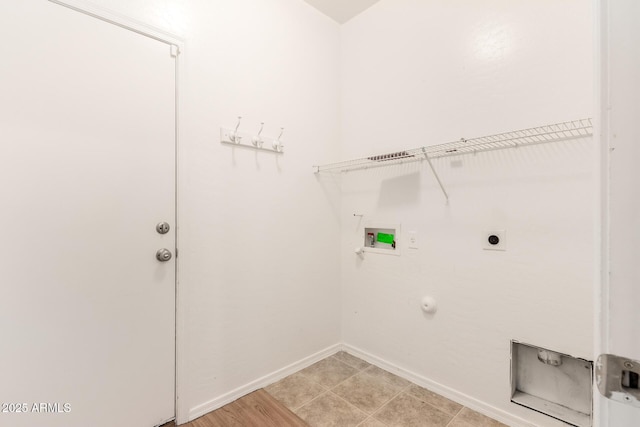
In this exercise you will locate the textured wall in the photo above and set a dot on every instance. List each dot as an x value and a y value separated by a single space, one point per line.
259 269
419 73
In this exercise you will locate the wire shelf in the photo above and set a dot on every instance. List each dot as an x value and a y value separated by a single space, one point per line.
557 132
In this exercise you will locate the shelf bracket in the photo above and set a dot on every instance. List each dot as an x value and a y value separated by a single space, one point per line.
435 174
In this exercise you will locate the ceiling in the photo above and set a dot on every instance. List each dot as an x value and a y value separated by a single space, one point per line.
341 10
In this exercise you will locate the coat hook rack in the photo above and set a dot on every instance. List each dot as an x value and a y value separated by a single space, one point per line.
258 142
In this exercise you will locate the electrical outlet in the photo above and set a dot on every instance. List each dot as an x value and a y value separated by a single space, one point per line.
495 240
413 239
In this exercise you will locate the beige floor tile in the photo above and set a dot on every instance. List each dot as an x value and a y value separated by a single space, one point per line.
366 392
407 411
372 422
476 419
329 410
458 423
434 399
350 360
329 372
295 390
392 379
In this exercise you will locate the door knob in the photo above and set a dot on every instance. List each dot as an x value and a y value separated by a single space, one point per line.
162 228
163 255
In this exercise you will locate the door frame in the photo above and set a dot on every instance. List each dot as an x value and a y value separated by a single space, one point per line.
606 111
177 46
601 208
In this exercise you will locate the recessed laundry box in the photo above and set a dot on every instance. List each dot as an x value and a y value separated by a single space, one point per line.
553 383
381 238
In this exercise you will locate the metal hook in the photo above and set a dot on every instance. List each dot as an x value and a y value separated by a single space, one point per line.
234 136
277 145
256 140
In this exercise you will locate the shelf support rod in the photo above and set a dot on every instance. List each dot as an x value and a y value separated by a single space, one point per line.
435 174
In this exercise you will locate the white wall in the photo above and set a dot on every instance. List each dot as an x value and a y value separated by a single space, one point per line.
415 73
618 106
259 272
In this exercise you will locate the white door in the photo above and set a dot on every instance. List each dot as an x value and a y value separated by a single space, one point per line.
87 170
620 174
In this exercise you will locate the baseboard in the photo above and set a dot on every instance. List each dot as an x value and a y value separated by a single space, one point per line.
219 402
449 393
456 396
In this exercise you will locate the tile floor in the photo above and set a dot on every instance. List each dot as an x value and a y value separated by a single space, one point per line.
344 391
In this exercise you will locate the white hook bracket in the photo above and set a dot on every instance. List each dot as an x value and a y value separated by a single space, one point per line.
234 137
257 140
277 144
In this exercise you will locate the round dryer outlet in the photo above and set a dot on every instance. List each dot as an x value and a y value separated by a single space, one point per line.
495 240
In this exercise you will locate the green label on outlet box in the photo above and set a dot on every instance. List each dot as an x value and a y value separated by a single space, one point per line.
385 238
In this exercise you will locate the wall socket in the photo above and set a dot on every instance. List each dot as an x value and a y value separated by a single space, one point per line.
495 240
412 239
